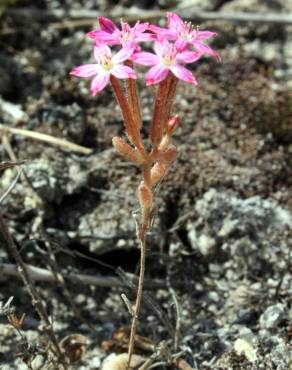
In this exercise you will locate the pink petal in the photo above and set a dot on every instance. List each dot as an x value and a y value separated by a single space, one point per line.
181 44
188 56
183 74
121 71
145 37
106 24
202 35
103 36
174 21
87 70
159 47
100 50
125 53
145 58
156 74
140 27
99 82
205 49
169 34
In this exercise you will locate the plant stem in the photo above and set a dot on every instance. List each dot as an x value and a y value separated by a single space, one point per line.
163 102
142 239
171 92
132 129
36 300
133 98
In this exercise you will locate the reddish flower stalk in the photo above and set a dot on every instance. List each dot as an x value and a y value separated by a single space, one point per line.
132 131
159 118
133 98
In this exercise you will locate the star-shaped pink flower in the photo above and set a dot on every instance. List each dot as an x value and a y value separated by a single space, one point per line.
106 65
110 34
167 58
184 34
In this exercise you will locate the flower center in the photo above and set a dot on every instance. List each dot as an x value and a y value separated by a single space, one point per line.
186 31
169 55
126 33
106 62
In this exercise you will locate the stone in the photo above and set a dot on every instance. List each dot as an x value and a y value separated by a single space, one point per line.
272 316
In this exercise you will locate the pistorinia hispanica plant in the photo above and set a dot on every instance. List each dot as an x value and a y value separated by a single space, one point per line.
173 48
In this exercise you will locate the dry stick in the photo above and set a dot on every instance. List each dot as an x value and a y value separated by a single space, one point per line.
60 279
177 333
62 143
7 146
28 282
189 12
40 274
11 187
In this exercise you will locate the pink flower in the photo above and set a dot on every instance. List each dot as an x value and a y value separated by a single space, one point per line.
110 34
167 58
185 34
106 65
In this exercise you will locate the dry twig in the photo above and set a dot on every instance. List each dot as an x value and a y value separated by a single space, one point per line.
40 274
28 282
61 143
83 17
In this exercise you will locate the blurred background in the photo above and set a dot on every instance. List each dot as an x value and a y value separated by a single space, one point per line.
222 232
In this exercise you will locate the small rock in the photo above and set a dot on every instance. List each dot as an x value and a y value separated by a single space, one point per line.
242 346
204 243
273 315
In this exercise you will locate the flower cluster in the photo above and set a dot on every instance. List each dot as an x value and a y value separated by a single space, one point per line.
174 47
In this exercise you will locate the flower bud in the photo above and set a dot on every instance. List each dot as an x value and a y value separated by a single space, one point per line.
172 123
145 198
158 171
127 151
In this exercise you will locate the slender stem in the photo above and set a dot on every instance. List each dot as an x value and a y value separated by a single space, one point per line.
142 239
157 124
132 129
162 107
171 92
133 98
36 300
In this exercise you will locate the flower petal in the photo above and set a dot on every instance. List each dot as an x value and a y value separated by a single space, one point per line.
145 58
183 74
205 49
181 44
160 46
174 21
140 27
121 71
103 37
188 56
101 50
99 82
125 53
203 35
106 24
145 37
156 74
87 70
169 34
